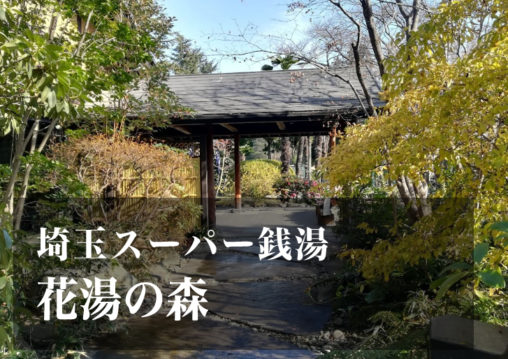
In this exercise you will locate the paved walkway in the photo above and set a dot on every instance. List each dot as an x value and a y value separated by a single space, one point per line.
257 309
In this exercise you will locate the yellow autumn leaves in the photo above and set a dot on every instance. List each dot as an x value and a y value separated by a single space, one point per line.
446 115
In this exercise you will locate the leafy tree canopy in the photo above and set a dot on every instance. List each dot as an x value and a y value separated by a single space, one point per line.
445 116
64 61
188 60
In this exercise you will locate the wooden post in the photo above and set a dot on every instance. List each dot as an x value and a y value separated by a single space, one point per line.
203 174
210 174
238 192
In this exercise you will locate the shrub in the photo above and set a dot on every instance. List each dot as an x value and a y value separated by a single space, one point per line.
143 186
259 177
125 168
293 188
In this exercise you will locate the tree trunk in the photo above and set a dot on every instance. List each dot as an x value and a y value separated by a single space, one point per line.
415 197
269 144
368 97
19 148
18 211
373 34
285 156
299 157
309 157
325 146
317 149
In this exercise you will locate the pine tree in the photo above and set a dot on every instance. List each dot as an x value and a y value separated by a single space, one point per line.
189 60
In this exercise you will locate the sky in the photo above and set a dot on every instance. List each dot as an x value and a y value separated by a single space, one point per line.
208 23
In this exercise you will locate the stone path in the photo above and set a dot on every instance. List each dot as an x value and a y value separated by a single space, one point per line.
257 309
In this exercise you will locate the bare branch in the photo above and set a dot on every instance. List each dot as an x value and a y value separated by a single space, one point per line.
85 31
423 7
327 70
400 6
356 54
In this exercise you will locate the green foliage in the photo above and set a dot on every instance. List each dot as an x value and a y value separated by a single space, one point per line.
246 146
285 62
76 134
5 173
54 178
454 273
364 221
368 190
49 175
51 72
6 292
184 217
39 76
491 274
485 274
188 60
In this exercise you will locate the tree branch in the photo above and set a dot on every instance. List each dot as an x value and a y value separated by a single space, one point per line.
356 55
85 31
373 35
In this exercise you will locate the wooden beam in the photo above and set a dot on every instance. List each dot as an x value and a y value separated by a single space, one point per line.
238 191
203 174
281 125
229 127
181 129
211 178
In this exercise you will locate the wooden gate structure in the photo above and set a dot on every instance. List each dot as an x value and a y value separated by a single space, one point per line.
260 104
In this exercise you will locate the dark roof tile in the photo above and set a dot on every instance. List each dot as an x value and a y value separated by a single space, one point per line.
269 91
